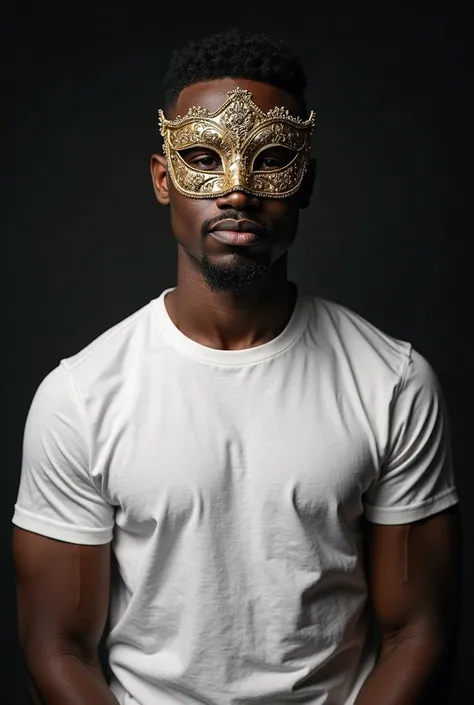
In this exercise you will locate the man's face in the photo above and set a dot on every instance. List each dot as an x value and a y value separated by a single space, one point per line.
196 221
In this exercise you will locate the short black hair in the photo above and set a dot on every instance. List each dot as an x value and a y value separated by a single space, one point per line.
236 54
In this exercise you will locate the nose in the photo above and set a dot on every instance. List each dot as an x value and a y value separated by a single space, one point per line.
238 200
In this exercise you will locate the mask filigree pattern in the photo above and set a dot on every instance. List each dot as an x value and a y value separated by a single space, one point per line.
238 132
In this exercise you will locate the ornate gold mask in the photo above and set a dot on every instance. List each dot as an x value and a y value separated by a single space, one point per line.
239 132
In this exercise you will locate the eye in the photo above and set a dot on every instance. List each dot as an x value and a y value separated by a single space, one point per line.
273 158
202 159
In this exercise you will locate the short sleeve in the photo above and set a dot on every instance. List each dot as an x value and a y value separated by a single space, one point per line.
416 478
57 497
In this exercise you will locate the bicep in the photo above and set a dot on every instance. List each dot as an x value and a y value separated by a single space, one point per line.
62 593
415 571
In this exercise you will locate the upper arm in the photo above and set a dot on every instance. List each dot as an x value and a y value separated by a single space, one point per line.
415 573
58 495
63 529
416 475
414 527
62 595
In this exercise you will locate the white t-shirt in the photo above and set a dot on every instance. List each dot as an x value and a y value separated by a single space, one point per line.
231 484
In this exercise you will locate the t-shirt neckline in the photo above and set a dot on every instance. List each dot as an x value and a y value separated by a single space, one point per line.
258 353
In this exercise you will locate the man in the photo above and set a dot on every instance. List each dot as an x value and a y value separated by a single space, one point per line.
228 443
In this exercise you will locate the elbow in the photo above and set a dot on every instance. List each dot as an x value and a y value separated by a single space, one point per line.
42 655
54 666
422 641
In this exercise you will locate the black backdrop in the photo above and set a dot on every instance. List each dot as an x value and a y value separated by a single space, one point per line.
85 244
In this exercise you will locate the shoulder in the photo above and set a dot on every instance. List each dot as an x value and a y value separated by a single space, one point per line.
357 343
114 352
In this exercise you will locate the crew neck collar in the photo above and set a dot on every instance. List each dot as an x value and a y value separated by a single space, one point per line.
258 353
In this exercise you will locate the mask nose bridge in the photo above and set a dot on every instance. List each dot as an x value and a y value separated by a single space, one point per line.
237 171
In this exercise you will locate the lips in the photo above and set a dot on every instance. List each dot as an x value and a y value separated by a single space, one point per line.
232 237
238 226
236 232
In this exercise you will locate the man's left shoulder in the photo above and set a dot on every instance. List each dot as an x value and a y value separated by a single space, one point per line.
359 342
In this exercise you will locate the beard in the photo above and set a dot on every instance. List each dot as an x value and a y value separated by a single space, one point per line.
239 277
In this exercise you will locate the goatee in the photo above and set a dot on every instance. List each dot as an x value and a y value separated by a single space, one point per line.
237 278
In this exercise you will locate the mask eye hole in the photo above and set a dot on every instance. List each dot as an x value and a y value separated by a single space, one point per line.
273 158
201 159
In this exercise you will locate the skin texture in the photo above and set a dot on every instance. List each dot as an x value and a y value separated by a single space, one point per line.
230 300
415 578
62 598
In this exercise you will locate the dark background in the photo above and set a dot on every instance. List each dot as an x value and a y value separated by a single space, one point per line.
85 244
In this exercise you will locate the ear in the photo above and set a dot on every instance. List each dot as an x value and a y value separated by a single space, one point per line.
306 190
159 176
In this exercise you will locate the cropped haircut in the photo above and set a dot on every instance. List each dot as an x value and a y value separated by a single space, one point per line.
236 54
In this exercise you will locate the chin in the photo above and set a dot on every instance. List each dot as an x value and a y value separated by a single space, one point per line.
238 277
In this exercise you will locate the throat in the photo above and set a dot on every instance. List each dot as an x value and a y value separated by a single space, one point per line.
216 324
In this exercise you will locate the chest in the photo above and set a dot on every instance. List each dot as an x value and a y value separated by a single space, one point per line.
238 442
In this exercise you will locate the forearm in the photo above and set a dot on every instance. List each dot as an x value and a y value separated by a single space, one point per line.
404 673
67 680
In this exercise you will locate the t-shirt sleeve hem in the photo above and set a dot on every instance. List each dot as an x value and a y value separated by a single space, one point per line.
61 532
408 514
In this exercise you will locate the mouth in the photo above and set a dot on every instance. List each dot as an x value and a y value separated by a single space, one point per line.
237 232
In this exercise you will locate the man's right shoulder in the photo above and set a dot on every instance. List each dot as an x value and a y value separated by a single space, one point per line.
112 351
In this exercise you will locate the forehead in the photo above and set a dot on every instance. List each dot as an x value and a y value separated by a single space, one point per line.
212 94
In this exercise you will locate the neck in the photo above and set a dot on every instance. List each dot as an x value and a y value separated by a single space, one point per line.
227 321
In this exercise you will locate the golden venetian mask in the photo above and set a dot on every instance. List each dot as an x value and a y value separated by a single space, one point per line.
240 133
